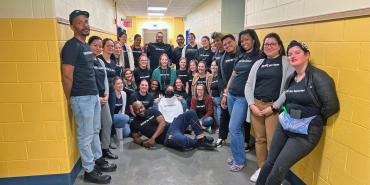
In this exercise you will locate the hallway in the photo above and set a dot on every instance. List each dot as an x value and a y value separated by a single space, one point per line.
165 166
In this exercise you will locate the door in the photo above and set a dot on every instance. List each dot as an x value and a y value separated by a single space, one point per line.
149 35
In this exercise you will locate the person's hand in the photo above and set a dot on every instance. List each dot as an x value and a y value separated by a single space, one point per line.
224 102
267 111
149 143
179 98
156 100
255 110
104 100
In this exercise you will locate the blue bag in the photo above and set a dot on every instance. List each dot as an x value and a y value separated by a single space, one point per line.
299 126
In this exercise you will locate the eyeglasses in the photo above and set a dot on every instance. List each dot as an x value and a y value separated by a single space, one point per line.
154 84
270 44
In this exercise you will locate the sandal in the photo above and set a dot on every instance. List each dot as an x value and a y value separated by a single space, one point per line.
236 168
230 160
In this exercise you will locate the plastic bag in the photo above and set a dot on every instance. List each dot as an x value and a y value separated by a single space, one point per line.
299 126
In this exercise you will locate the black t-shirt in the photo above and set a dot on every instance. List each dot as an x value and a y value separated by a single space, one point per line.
129 89
165 77
136 52
190 78
298 98
147 100
202 81
79 55
176 55
214 87
242 68
205 55
226 69
154 94
200 108
191 53
268 79
190 82
181 93
125 54
183 75
119 104
100 77
155 50
141 74
111 69
217 56
147 125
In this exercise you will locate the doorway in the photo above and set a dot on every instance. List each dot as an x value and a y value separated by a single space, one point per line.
149 35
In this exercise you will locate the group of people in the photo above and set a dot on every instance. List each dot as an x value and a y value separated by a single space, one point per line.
229 85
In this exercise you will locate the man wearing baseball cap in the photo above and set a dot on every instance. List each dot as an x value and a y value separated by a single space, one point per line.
82 95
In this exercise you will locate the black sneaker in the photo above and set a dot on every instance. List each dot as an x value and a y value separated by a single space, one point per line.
186 149
208 139
204 145
108 154
248 148
105 166
97 177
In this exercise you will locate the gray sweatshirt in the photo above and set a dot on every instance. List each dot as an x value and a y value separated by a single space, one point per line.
251 83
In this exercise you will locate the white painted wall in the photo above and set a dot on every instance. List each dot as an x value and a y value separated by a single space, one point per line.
101 12
232 16
27 9
204 19
270 11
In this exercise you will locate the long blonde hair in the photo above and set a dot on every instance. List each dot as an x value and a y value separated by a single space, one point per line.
132 83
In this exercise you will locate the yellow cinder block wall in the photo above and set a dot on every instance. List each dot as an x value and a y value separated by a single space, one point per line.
342 48
175 27
37 131
34 133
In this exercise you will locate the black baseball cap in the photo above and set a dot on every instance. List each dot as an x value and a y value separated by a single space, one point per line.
76 13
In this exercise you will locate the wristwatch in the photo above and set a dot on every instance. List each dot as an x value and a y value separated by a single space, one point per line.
274 109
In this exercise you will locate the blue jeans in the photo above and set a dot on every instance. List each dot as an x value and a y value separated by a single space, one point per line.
155 106
184 104
238 111
87 110
175 137
216 110
208 121
122 121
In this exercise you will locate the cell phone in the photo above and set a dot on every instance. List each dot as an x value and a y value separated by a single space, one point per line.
296 114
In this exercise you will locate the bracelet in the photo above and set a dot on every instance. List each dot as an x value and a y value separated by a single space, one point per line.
224 94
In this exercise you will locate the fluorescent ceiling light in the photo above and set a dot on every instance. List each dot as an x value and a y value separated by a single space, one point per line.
152 8
155 14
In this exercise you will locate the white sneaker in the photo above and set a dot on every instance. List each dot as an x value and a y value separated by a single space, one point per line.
219 142
255 175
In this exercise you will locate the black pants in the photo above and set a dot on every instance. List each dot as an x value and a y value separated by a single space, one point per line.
247 132
224 124
112 106
286 149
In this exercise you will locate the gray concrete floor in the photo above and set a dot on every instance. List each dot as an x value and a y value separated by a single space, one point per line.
165 166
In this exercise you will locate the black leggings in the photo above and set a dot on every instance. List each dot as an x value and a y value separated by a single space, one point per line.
286 149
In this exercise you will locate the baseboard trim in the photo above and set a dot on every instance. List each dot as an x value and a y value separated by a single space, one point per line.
54 179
